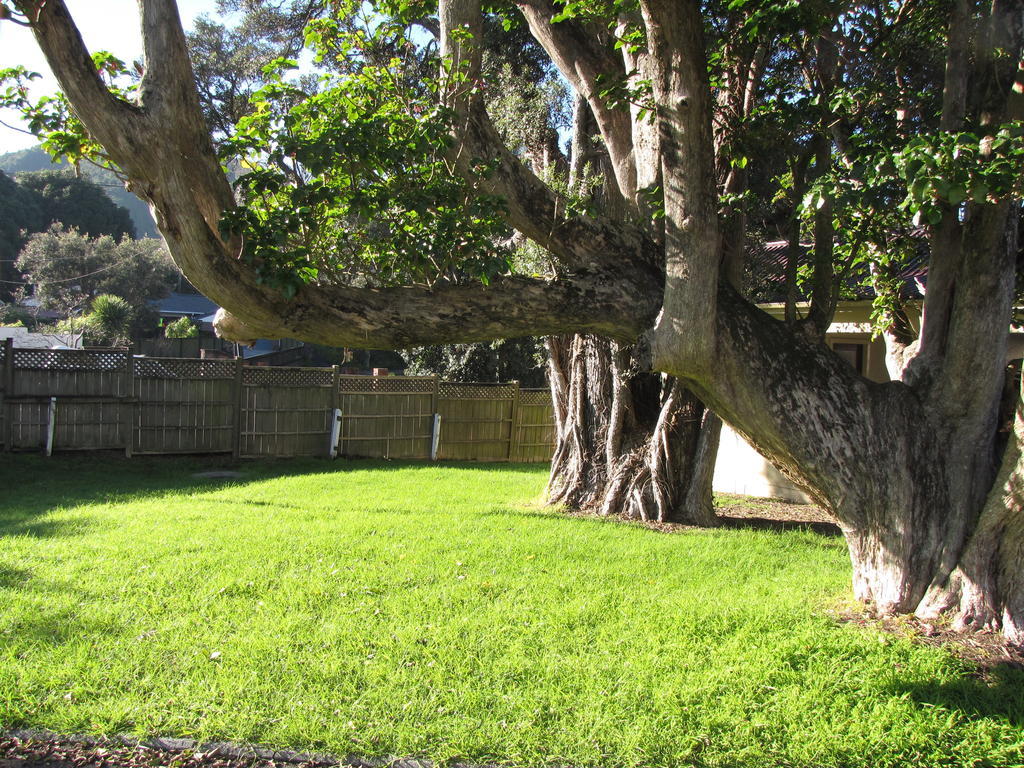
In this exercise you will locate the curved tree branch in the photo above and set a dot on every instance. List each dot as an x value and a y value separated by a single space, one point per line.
112 122
581 55
579 243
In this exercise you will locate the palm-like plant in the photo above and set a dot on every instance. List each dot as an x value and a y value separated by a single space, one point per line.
110 319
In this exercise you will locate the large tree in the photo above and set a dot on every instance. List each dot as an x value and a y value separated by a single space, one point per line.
914 470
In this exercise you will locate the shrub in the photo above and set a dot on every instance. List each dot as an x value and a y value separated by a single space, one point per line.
182 328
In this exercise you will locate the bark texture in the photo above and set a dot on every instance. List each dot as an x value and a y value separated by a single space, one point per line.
629 442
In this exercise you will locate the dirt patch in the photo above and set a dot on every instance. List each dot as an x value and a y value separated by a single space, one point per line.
29 749
749 512
219 474
775 514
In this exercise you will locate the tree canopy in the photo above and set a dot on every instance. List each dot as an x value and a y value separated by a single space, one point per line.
77 203
34 201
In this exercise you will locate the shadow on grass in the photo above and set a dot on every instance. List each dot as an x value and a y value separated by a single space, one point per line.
726 523
768 524
36 486
62 626
998 692
11 577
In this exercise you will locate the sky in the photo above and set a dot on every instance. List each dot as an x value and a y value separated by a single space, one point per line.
106 25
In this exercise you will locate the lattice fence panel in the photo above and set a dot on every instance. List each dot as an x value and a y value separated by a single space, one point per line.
69 373
459 391
175 368
70 359
386 384
539 397
287 377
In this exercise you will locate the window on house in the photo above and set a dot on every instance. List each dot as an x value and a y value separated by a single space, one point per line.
852 353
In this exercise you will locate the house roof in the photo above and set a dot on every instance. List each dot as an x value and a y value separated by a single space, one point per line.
766 272
185 305
23 339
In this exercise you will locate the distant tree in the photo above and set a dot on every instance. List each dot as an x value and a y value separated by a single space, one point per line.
67 269
182 328
36 159
228 62
77 203
522 360
21 214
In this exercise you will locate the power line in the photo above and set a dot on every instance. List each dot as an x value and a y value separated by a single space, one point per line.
66 279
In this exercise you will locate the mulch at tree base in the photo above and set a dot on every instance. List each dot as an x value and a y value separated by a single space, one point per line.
42 749
745 512
987 651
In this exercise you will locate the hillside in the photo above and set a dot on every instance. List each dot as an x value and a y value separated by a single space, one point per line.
35 159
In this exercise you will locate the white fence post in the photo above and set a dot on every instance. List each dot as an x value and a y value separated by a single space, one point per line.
51 425
335 432
435 437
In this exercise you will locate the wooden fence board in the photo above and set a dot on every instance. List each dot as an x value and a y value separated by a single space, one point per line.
6 384
28 420
535 427
386 417
476 421
286 411
183 406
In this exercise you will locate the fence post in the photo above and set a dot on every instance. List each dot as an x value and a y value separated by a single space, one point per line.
435 436
513 428
236 447
8 385
334 422
435 431
127 403
51 425
332 447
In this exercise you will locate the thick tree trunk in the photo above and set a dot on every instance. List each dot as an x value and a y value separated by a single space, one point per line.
986 589
629 443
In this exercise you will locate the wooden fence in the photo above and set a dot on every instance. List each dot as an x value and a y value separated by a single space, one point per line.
64 400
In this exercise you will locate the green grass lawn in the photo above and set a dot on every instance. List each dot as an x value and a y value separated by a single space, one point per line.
439 611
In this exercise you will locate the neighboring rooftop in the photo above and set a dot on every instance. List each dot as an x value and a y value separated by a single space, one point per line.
192 305
23 339
766 272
